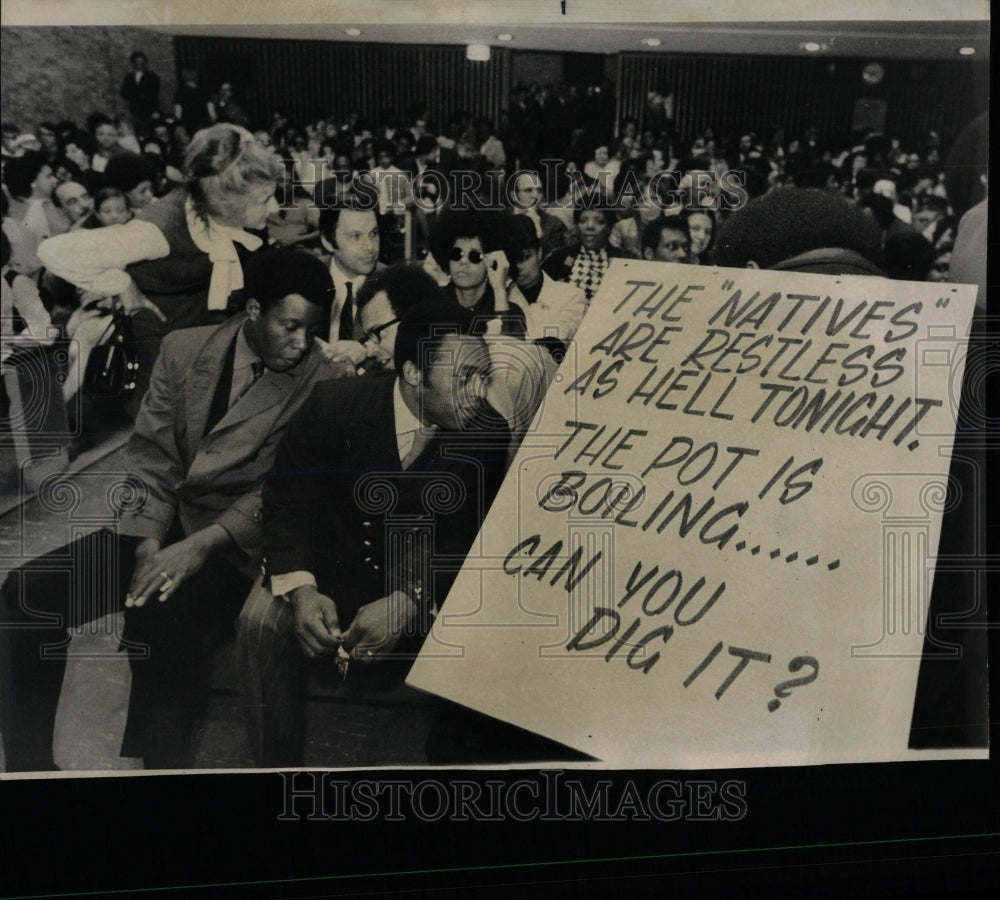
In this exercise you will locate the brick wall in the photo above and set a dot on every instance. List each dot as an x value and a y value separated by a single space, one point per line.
51 73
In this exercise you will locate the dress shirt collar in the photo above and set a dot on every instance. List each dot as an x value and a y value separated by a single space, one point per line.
244 362
243 355
407 424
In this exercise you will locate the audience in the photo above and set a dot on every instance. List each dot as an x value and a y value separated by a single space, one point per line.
162 213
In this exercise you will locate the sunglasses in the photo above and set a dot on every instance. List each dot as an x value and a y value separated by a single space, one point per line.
474 256
374 334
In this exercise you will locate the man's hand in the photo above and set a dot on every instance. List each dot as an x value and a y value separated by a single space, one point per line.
317 627
160 572
134 300
353 352
379 625
378 357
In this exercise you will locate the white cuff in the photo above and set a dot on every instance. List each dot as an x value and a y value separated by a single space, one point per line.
283 585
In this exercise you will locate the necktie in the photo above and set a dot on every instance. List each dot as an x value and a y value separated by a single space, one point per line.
256 370
347 315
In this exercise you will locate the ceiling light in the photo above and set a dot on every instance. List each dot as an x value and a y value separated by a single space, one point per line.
966 51
811 46
652 42
353 32
478 52
505 37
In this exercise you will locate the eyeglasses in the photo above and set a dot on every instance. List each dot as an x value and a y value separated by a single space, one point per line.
474 256
374 334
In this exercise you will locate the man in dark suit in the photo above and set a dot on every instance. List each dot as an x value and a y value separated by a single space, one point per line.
367 518
141 91
187 545
528 198
351 234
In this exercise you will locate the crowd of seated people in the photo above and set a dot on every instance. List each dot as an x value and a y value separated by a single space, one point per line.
186 220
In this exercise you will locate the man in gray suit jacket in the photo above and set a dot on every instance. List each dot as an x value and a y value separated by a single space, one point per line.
188 541
367 520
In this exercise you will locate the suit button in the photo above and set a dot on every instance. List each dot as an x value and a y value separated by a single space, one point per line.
366 524
367 543
375 568
368 559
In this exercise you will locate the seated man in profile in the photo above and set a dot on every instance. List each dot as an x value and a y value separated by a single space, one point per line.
521 371
378 492
185 552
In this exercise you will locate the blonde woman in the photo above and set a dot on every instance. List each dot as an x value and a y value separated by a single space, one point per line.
177 262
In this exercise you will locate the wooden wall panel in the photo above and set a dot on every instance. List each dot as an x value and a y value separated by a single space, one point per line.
735 94
319 78
731 93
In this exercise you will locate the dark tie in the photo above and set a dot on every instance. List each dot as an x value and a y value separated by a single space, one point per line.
347 315
256 370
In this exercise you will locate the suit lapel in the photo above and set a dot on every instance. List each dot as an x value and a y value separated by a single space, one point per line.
203 381
268 391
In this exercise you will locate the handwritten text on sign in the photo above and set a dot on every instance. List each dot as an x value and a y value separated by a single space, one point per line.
682 564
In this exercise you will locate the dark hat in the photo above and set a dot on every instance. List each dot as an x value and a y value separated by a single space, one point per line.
126 171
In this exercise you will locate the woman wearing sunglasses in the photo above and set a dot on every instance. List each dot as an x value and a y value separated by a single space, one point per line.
469 247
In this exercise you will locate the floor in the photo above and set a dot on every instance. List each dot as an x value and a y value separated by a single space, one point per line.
342 731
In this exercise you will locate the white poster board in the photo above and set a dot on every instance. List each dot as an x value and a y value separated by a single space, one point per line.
716 547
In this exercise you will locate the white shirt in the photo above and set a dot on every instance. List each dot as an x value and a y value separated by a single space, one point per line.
406 429
557 312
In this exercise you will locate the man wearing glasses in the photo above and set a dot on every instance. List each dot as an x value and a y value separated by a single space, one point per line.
521 370
666 240
379 488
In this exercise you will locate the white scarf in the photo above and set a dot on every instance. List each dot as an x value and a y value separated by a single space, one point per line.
217 240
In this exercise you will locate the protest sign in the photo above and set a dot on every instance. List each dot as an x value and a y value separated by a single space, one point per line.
716 546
